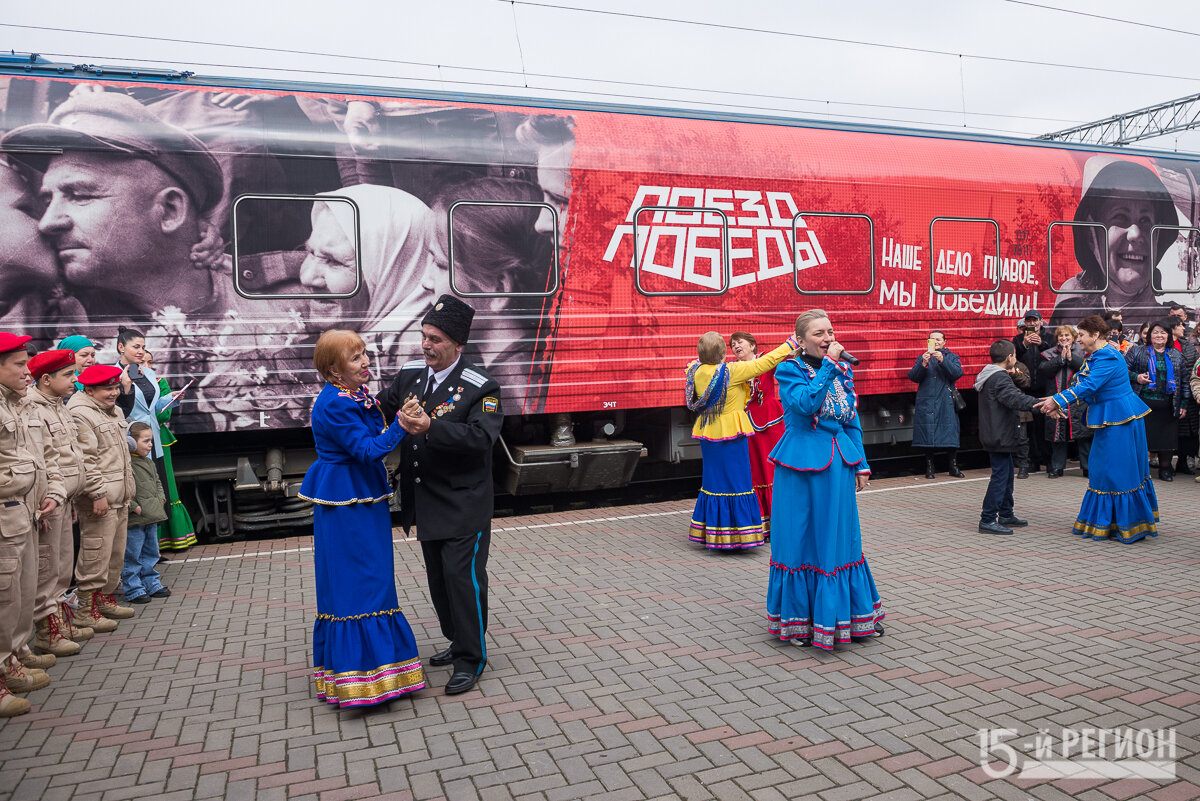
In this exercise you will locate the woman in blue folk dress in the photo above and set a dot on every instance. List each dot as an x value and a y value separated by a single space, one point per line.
363 649
820 591
1120 499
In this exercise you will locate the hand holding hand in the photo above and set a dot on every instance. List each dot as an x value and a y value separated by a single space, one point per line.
48 506
413 423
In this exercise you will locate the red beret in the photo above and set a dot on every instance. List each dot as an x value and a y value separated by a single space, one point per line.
10 342
100 374
51 361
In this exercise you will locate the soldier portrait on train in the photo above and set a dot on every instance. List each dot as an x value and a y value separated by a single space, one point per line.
1129 200
196 215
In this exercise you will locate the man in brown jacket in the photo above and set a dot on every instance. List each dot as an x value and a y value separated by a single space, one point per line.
107 489
53 381
22 488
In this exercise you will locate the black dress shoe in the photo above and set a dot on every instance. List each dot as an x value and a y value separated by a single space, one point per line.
955 472
141 599
460 682
878 629
1165 475
993 528
1022 473
1013 522
161 592
443 658
1053 474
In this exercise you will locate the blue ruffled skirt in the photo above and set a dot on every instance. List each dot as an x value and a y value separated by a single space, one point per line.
364 651
1120 499
727 516
820 584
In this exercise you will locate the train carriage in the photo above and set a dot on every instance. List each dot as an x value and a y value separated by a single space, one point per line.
232 221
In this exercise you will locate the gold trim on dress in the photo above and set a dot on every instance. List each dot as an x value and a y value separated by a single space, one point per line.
727 494
1138 488
380 613
343 688
1120 422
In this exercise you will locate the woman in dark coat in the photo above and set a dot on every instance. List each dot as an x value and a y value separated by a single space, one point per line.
1058 366
1156 372
935 420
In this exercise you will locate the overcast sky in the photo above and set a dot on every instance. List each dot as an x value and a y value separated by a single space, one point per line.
560 49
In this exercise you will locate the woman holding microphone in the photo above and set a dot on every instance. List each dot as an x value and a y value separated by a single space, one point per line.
821 591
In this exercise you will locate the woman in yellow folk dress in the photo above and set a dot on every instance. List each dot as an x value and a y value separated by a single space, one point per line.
727 515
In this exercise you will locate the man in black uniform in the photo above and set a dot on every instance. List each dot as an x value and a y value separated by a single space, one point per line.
446 480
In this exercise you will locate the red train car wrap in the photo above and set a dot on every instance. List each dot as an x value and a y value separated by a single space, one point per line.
234 224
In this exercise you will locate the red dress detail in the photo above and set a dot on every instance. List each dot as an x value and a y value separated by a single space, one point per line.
766 413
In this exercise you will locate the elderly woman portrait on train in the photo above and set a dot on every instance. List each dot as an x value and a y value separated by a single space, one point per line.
364 652
397 270
1129 200
727 516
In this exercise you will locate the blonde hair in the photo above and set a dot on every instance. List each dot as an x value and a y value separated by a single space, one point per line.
1066 329
808 318
333 351
711 348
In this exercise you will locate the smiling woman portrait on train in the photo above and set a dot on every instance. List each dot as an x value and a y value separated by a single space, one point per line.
396 265
1129 200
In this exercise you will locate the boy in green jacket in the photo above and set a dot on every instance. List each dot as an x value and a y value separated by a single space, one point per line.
140 579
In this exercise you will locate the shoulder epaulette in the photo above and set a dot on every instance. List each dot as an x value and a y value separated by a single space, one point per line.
415 364
473 377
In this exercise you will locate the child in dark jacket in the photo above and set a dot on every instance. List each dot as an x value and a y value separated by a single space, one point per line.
1001 433
140 579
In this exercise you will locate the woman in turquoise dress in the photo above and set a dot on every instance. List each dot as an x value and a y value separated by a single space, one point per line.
1120 499
820 590
363 648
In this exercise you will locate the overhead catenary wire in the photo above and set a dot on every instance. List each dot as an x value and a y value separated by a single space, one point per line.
856 42
589 93
522 73
1102 17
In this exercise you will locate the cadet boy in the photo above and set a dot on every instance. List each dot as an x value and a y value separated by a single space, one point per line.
22 487
53 381
108 488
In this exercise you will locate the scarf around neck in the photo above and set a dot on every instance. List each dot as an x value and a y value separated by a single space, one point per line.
1170 369
712 402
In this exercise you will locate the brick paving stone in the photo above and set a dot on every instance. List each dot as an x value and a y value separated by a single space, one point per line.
628 664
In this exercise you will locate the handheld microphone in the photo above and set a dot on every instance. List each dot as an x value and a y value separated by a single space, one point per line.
848 358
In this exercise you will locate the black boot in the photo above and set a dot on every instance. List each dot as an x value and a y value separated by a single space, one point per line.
954 471
929 467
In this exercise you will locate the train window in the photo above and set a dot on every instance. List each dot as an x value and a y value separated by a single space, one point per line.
497 251
964 256
296 246
1187 278
838 265
677 248
1066 241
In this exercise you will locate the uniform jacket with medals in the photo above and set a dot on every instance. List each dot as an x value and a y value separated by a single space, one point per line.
445 474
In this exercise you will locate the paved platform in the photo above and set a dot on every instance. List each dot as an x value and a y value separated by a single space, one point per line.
629 664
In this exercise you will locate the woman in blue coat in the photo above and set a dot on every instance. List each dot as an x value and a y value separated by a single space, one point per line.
820 590
935 420
1120 499
363 649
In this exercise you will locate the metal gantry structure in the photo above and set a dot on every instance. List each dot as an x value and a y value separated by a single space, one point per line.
1170 117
